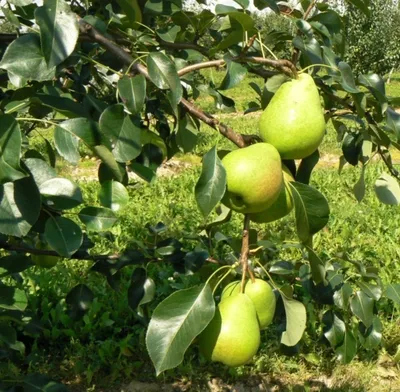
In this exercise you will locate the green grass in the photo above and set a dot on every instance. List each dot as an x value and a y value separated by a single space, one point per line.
107 347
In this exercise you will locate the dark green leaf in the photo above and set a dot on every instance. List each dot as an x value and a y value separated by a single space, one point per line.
169 34
342 296
113 195
24 58
8 336
362 5
40 170
97 219
84 129
376 85
387 189
42 383
317 267
296 318
10 148
131 9
60 193
362 307
392 292
176 321
132 91
159 7
64 105
235 73
11 17
306 167
310 48
347 80
12 298
163 74
261 4
312 210
124 132
373 291
187 134
79 299
334 328
212 183
330 19
63 235
347 351
393 121
13 264
59 30
370 337
109 169
67 145
282 268
19 206
195 260
144 172
359 187
136 289
351 148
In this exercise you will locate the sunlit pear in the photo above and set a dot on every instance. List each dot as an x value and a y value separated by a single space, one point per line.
262 296
233 335
254 178
293 121
283 205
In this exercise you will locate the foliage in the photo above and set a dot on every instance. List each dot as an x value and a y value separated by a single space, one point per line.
372 42
118 81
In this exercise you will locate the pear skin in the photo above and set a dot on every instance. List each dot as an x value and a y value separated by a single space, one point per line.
261 294
293 122
254 178
282 206
233 335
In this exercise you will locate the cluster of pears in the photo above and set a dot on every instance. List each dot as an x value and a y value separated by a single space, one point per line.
233 335
291 127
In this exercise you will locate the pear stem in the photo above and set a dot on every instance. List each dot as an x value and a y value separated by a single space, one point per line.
244 255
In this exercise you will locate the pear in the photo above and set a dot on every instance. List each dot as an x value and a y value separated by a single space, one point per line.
45 261
282 206
293 121
261 294
233 335
253 177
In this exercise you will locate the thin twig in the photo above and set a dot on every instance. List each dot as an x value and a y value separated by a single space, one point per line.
198 66
244 255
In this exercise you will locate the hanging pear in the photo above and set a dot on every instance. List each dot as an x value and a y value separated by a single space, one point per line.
293 122
233 335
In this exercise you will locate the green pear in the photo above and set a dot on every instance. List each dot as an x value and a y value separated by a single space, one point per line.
45 261
282 206
233 335
293 121
253 178
262 296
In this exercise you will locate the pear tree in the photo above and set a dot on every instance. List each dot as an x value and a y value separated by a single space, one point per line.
123 80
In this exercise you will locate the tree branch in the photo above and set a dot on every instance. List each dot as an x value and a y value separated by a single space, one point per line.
183 45
198 66
244 254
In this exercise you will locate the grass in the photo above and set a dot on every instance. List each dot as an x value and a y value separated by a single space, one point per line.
107 347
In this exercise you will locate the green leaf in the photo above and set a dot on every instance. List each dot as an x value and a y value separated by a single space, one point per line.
342 296
40 170
330 19
211 186
347 80
235 73
370 337
11 17
67 145
261 4
19 206
362 5
318 271
109 168
42 383
243 3
132 91
163 74
310 48
24 58
124 132
392 292
393 121
306 167
175 323
373 291
10 149
12 298
8 335
169 33
13 264
113 195
144 172
63 235
187 134
64 105
334 328
59 30
97 219
131 9
387 189
79 300
312 210
362 307
160 7
347 351
376 85
21 3
60 193
359 187
296 318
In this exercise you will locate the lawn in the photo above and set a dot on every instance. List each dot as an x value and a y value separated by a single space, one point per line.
106 348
